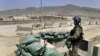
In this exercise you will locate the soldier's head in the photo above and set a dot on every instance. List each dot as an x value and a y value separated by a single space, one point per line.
77 20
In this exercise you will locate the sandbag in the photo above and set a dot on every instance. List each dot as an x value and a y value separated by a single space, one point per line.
35 48
37 35
52 52
42 34
48 37
60 36
22 52
66 35
49 33
26 54
62 33
28 40
17 52
56 34
67 32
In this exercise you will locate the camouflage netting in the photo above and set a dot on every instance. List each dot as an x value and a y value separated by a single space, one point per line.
30 46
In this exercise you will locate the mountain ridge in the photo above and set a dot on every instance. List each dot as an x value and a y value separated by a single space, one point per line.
65 10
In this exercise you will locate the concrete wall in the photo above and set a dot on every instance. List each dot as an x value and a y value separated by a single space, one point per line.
20 28
96 50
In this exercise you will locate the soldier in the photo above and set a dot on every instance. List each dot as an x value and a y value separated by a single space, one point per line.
75 37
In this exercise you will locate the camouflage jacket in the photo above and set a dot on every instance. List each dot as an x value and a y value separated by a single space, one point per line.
76 33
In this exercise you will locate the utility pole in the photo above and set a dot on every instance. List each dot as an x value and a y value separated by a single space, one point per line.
42 17
41 13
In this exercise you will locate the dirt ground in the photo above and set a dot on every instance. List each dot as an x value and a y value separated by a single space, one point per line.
7 45
8 40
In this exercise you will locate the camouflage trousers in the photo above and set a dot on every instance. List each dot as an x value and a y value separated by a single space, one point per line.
74 50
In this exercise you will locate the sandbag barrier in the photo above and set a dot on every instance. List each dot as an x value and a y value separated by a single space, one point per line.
29 45
35 49
53 35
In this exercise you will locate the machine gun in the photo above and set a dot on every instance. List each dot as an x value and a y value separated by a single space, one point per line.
67 43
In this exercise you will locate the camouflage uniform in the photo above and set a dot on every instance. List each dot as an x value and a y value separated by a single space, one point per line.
75 38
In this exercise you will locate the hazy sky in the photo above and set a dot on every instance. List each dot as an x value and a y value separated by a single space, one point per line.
13 4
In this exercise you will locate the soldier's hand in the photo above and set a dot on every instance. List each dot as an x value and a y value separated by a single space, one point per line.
71 38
